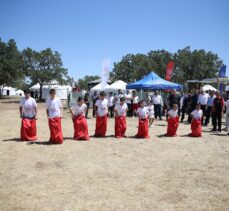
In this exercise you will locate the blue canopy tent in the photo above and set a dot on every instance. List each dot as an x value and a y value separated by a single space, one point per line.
154 82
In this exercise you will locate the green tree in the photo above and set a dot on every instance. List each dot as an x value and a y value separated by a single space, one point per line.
83 82
43 67
11 73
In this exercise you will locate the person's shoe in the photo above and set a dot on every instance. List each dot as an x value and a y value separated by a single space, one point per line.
213 130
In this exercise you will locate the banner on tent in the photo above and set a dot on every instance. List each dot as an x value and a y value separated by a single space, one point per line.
169 71
105 72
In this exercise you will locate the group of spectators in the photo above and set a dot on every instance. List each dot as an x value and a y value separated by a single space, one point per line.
211 102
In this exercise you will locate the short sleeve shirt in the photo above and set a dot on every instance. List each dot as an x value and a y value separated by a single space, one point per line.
102 107
121 109
53 106
197 114
28 107
79 110
143 113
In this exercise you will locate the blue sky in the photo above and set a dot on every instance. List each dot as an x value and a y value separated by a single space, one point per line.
87 31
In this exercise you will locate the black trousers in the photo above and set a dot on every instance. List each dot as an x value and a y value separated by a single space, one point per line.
217 120
204 109
157 109
182 113
208 115
111 111
86 114
130 110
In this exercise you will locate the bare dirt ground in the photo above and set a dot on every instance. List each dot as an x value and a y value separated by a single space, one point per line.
161 173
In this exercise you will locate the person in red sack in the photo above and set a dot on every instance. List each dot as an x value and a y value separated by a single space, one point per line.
196 126
173 121
143 122
101 106
54 112
78 111
28 114
120 118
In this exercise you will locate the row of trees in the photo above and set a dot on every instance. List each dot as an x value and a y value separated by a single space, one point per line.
25 68
189 65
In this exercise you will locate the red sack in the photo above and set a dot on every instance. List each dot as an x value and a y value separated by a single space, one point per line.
196 128
143 128
28 129
56 136
173 124
80 128
120 126
101 126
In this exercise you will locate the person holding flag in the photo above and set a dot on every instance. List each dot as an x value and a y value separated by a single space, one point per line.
28 114
54 112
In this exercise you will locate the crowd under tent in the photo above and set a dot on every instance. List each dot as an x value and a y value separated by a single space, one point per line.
153 82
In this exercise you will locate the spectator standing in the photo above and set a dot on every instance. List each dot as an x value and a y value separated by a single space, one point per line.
158 103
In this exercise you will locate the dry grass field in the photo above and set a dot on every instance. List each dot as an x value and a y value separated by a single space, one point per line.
161 173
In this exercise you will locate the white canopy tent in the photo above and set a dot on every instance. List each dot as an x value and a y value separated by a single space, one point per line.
98 88
208 87
8 91
116 86
19 92
62 91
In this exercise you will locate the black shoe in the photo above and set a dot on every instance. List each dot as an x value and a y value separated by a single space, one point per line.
213 130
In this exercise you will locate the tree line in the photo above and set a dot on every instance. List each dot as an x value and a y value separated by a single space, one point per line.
188 65
25 68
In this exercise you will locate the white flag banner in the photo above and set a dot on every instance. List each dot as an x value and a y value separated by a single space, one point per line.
105 72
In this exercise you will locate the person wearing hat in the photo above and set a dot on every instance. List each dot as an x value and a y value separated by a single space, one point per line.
101 106
28 114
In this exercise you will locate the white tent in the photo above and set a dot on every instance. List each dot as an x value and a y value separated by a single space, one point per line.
19 92
98 88
8 91
116 86
62 91
208 87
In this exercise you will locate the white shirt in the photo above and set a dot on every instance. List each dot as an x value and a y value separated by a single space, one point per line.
227 106
28 107
143 113
157 100
128 98
53 106
135 99
173 113
197 114
121 109
203 99
110 101
77 110
102 107
151 111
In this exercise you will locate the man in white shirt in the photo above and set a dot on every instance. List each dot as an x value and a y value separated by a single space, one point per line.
111 104
101 115
128 98
54 113
203 100
28 113
158 103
